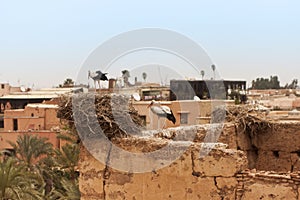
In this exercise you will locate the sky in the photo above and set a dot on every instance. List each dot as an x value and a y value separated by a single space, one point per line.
44 42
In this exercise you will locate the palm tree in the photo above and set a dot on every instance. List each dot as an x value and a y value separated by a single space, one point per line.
35 153
30 148
68 134
67 83
213 67
202 73
69 191
144 76
125 76
72 191
16 182
67 159
68 156
54 170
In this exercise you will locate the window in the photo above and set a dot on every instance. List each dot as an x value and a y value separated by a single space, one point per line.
183 118
2 86
15 122
1 122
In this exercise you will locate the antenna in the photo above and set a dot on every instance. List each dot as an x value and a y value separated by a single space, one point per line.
166 79
161 81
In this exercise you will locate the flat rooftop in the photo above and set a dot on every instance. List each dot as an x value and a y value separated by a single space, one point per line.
45 93
41 105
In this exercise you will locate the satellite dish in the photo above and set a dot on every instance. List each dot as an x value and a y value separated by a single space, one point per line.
229 91
22 89
196 98
136 96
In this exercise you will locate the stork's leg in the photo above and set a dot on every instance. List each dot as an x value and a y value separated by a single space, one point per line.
164 123
158 122
95 85
151 124
99 84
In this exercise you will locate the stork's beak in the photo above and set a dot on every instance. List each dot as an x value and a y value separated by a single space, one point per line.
150 104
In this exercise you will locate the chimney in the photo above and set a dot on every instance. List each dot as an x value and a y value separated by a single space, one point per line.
111 83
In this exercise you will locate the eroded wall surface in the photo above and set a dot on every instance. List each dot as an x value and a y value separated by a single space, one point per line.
254 184
275 148
239 166
188 177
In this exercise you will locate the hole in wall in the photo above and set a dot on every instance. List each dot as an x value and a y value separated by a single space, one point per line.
276 154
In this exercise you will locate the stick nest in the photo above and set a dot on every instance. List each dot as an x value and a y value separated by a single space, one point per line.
112 115
247 117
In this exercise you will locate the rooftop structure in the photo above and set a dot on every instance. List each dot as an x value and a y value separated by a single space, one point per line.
32 117
186 112
19 99
205 89
37 119
282 99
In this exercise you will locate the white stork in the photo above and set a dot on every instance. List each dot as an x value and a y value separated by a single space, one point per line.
97 77
162 111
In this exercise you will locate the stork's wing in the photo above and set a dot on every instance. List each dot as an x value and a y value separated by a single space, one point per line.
158 110
92 74
100 73
103 77
166 109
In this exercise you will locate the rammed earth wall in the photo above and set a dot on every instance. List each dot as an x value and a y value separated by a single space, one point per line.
263 165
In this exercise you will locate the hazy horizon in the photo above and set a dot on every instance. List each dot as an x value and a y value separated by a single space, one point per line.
43 43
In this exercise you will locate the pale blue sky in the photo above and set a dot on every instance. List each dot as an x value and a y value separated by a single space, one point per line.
43 42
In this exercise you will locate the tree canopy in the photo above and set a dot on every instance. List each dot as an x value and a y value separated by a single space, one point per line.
67 83
266 83
38 171
272 83
292 85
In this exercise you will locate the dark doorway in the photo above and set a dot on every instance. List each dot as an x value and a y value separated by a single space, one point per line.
15 124
1 121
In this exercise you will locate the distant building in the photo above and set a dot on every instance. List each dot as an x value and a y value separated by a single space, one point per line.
204 89
6 89
36 119
19 99
16 99
146 91
186 112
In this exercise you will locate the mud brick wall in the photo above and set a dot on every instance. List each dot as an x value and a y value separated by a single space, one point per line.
264 165
276 148
188 177
254 184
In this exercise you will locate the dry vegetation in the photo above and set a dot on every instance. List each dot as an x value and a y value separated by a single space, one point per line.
114 113
247 117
